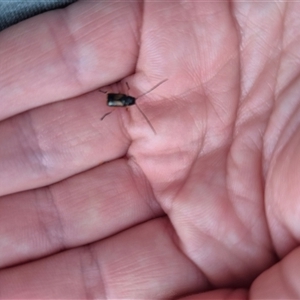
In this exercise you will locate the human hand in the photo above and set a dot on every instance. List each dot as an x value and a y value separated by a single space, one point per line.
208 203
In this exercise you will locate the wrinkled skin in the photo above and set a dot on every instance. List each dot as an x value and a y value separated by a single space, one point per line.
206 208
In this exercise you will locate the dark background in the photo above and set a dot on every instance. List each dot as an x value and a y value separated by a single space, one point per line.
12 11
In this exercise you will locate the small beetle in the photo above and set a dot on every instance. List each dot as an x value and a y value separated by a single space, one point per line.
123 100
115 100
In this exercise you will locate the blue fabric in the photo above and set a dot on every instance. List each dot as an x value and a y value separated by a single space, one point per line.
12 11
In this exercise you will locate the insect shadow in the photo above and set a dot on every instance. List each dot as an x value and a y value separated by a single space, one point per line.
123 100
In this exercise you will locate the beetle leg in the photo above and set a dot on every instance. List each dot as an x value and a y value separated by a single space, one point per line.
106 115
128 88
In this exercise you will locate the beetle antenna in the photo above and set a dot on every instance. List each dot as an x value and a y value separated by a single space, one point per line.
157 85
146 118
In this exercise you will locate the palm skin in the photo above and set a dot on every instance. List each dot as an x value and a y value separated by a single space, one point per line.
208 203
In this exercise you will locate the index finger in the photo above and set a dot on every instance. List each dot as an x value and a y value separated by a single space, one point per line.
64 53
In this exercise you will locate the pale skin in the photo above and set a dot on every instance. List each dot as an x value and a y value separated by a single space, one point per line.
206 208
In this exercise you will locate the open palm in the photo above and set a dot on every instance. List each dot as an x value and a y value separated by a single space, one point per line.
95 209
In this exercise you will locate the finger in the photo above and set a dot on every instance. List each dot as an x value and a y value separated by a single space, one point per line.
53 142
79 210
281 138
140 263
279 282
64 53
282 188
222 294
